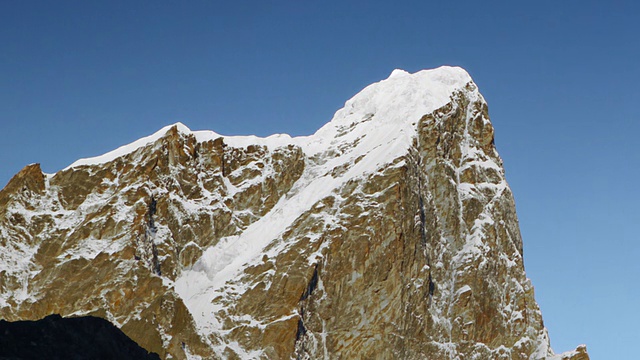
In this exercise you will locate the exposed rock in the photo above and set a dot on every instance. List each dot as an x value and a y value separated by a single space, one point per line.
391 233
580 353
28 182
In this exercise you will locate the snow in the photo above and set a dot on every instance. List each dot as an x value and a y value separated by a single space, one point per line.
462 290
90 248
398 73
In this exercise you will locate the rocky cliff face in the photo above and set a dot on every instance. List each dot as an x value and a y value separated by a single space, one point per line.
391 233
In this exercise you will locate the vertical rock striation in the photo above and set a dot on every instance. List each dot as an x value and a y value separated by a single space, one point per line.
390 233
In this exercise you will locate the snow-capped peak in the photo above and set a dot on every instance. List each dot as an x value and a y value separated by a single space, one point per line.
383 110
126 149
398 73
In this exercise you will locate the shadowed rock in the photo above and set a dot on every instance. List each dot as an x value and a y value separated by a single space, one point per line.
71 338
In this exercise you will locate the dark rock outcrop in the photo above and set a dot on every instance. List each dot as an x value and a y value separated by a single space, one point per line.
55 337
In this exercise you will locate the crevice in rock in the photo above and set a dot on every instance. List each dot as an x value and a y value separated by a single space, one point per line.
196 151
313 283
150 235
423 231
223 160
422 213
301 331
432 289
155 165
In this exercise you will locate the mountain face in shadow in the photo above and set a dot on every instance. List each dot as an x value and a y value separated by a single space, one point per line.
55 337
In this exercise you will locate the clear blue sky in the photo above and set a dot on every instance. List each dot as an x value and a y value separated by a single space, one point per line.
78 79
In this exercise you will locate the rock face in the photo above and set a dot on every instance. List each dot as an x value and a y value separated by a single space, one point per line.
56 338
391 233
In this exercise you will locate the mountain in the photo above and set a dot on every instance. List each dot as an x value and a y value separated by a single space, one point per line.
390 233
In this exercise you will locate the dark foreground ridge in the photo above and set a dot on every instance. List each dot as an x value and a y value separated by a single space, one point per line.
53 337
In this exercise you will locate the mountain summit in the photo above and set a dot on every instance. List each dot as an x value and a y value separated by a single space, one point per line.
390 233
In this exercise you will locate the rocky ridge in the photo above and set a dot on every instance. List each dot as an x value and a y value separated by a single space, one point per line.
390 233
